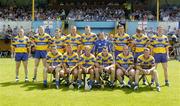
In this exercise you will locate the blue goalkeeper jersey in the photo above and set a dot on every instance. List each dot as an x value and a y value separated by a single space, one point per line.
99 44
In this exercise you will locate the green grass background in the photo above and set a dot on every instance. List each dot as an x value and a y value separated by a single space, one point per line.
33 94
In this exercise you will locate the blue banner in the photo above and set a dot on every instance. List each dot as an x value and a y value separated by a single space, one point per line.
131 26
96 27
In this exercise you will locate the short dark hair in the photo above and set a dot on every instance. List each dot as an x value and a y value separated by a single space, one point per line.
146 49
87 26
104 47
120 26
54 47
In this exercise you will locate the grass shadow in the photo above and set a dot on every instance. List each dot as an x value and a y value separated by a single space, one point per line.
142 89
10 83
126 90
30 86
33 86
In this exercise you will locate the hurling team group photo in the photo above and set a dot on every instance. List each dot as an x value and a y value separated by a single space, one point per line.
80 51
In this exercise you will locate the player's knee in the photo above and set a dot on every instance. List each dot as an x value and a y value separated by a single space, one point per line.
137 72
91 72
58 68
119 72
80 71
112 70
61 73
96 70
75 72
132 72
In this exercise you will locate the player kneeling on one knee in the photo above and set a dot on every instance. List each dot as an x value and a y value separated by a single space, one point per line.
146 65
54 65
124 63
86 66
105 64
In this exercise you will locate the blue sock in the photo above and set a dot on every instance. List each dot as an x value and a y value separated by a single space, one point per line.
152 80
90 82
45 82
57 82
129 82
144 80
79 82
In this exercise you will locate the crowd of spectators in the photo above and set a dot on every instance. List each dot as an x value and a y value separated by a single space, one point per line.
142 15
15 14
87 14
96 14
24 14
170 14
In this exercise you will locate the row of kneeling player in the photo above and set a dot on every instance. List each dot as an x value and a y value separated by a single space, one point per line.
72 68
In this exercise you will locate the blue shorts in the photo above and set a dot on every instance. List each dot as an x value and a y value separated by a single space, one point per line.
160 58
136 55
117 53
40 54
21 57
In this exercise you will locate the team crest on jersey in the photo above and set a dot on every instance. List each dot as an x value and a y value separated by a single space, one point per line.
87 61
21 41
57 42
160 40
41 39
125 60
145 62
73 39
137 40
88 38
70 59
121 39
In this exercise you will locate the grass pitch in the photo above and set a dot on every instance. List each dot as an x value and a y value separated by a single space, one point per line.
33 94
